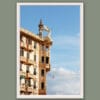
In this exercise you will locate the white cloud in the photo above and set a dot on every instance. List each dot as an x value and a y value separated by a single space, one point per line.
63 81
70 41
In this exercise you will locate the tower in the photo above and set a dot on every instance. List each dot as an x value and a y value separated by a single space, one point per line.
40 28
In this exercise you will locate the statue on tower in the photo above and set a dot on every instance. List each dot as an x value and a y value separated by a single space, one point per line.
42 28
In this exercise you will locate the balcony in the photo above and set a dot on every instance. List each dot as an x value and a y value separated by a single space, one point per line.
47 67
23 59
23 45
30 89
42 92
45 53
22 73
30 48
22 88
29 75
30 62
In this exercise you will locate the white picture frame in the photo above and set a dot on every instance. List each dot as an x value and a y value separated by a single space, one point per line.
81 51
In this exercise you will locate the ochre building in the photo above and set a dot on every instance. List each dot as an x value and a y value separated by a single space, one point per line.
34 60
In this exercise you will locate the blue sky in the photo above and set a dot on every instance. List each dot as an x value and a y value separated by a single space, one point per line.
64 22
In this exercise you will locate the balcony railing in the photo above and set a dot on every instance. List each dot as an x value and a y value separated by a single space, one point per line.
45 53
23 59
30 48
22 73
23 45
30 89
47 67
30 62
22 88
29 75
43 92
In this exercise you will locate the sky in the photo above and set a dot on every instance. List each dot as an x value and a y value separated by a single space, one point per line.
64 22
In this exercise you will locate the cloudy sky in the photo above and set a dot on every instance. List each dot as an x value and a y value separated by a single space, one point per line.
64 22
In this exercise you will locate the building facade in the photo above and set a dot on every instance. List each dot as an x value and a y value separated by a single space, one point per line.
34 61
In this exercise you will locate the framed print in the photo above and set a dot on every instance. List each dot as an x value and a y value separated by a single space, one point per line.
49 50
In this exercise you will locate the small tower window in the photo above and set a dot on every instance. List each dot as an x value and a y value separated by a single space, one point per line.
42 72
47 60
42 59
42 85
43 47
47 48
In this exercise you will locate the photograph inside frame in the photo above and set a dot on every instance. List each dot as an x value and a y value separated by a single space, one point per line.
49 50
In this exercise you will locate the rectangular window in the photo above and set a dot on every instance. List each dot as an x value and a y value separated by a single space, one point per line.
28 82
43 47
34 57
29 41
42 59
34 72
34 86
47 60
42 72
35 44
42 85
28 55
21 52
27 69
47 48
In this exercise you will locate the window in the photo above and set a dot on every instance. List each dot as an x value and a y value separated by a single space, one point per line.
42 72
35 44
47 48
42 85
34 57
34 71
47 60
29 41
42 59
28 82
27 69
22 79
34 86
21 52
28 55
43 47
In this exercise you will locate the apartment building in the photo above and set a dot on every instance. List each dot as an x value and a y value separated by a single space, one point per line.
34 60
